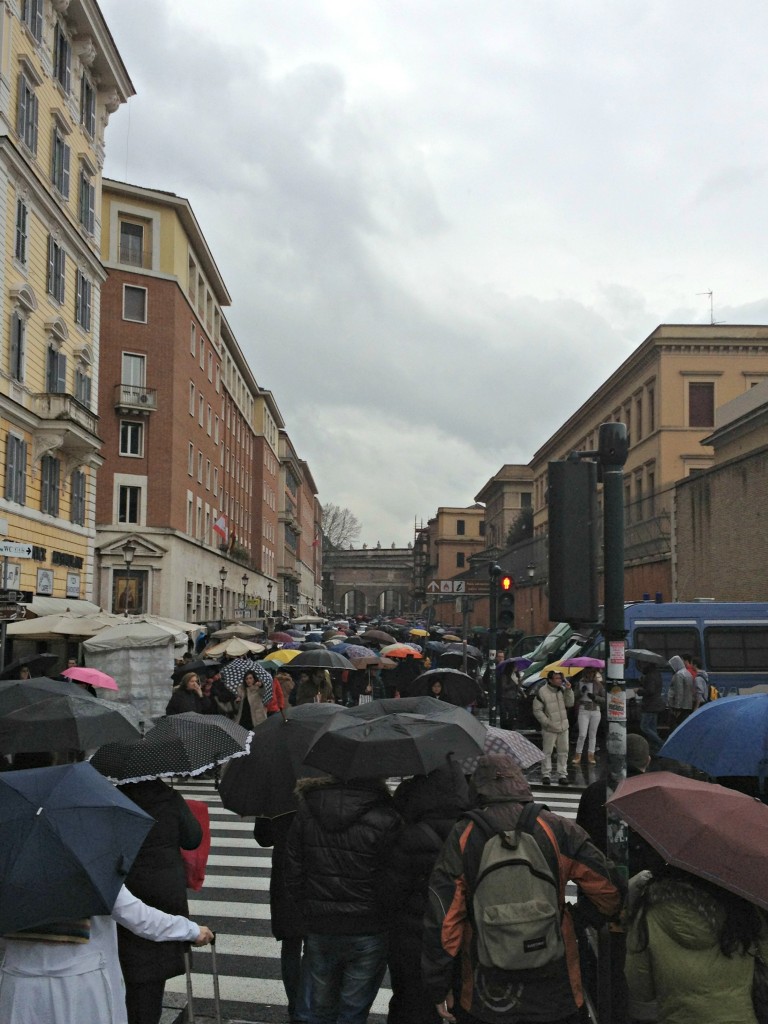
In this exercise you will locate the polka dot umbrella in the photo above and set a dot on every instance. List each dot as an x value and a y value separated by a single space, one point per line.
186 744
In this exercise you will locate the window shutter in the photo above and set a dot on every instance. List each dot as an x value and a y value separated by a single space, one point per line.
79 299
17 345
55 480
21 108
32 113
45 484
37 19
21 470
65 171
51 266
61 374
11 455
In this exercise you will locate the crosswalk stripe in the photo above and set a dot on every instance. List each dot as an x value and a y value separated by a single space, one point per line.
255 882
266 991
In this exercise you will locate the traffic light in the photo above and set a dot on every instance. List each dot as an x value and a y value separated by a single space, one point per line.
506 617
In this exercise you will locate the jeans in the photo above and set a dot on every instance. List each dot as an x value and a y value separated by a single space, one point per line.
588 723
295 979
557 741
345 972
649 727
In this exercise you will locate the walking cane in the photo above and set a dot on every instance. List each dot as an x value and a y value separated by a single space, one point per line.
215 971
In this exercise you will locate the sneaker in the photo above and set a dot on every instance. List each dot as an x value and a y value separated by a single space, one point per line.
564 781
591 758
576 759
546 781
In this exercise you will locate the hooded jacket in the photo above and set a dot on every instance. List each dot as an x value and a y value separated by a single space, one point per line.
339 855
682 966
548 993
680 694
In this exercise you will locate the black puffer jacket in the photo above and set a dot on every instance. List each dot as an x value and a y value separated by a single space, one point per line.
430 805
339 856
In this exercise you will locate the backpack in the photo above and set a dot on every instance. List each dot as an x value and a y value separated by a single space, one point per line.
711 692
516 909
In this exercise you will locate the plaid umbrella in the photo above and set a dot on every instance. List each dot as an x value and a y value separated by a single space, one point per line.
186 744
504 741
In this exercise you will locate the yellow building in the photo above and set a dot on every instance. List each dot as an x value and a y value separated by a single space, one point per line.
60 79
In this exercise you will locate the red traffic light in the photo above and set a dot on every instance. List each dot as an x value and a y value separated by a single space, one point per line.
506 583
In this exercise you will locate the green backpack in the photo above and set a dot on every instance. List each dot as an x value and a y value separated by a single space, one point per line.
516 907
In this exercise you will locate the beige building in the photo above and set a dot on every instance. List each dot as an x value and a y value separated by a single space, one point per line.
506 495
453 535
60 79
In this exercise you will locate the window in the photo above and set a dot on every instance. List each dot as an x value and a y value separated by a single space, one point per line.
210 420
50 469
736 648
191 399
460 527
133 370
191 459
525 499
701 404
15 469
210 366
131 243
134 304
56 269
22 231
83 301
87 203
88 107
202 352
199 467
482 527
207 474
56 372
16 356
83 388
32 16
77 503
639 417
215 482
200 410
60 164
132 439
459 559
62 58
26 115
668 640
193 341
651 393
651 499
128 503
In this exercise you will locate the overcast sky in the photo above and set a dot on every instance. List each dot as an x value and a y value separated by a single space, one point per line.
443 223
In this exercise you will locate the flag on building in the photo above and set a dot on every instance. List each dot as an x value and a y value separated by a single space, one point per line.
221 527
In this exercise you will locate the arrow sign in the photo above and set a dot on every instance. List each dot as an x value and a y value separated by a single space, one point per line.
433 587
14 549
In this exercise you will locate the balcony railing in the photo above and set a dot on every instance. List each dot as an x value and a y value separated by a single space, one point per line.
135 399
134 257
62 407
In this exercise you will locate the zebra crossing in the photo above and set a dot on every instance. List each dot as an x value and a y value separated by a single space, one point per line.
234 902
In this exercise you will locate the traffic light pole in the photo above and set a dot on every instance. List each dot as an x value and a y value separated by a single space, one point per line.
494 572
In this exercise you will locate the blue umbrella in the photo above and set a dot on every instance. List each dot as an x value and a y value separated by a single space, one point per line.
726 737
67 840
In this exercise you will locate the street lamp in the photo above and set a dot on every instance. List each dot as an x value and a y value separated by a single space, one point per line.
244 581
222 577
531 570
129 550
269 598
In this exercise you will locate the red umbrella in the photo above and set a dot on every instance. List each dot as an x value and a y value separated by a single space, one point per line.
280 638
713 832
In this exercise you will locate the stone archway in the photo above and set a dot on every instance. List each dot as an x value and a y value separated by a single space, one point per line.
352 602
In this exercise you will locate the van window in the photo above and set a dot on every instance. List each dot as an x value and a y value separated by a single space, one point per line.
734 648
668 640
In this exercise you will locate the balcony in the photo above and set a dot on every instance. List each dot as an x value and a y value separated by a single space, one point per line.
65 427
134 399
131 256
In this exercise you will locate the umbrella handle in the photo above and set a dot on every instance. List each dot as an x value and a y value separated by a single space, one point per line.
285 717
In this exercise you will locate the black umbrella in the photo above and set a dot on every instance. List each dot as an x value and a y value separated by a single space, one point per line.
322 658
199 666
52 714
67 840
458 687
185 744
263 782
472 652
351 747
378 636
648 656
36 663
454 659
312 645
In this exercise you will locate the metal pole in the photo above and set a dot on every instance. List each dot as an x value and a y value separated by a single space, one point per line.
494 572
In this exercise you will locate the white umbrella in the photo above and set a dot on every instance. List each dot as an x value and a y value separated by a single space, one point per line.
237 629
63 624
235 647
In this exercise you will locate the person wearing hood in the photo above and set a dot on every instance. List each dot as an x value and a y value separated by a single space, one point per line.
680 695
551 992
430 805
691 949
338 869
650 691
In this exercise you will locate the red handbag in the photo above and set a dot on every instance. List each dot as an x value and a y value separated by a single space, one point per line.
195 861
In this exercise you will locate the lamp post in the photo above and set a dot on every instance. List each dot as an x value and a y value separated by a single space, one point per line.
129 550
269 598
244 581
222 577
531 570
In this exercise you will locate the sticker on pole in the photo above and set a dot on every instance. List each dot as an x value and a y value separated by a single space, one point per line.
617 704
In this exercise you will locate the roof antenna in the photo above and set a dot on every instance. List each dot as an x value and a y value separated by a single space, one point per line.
711 307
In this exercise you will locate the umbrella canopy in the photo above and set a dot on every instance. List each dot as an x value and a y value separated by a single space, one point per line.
505 741
294 633
392 744
67 840
557 666
282 656
308 620
235 647
51 714
713 832
185 744
401 651
458 687
235 629
198 665
418 632
36 663
648 656
378 636
458 648
232 673
63 624
583 662
91 676
517 663
451 638
280 638
263 782
726 737
322 658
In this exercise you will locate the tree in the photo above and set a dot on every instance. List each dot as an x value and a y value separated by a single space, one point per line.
340 527
522 528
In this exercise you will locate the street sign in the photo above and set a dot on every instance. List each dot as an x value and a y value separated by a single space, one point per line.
15 549
15 596
450 586
433 587
477 586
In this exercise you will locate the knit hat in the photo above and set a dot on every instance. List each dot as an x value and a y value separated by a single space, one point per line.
499 778
638 752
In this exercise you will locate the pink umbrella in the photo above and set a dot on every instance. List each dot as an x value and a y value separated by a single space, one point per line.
92 676
582 663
